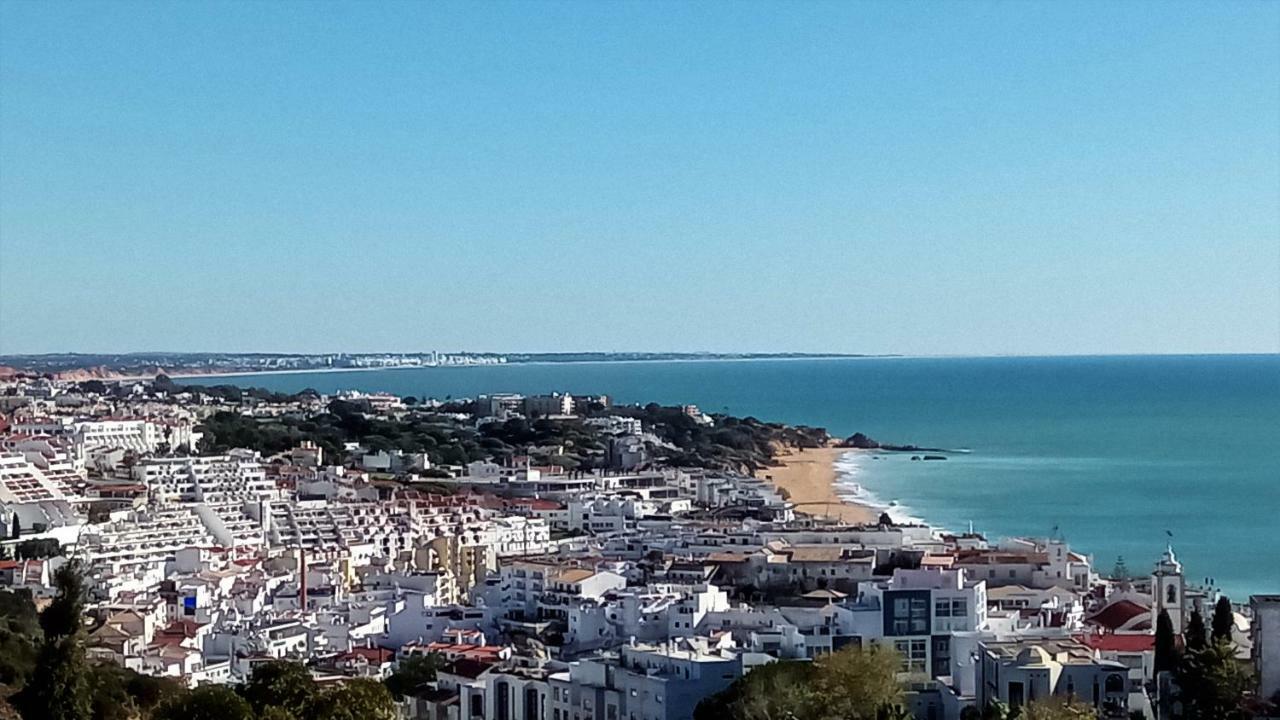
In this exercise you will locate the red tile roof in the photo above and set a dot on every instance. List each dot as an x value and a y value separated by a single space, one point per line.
1118 614
1119 642
373 655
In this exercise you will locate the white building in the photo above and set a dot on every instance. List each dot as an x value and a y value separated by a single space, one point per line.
235 477
1019 672
916 611
1266 644
515 536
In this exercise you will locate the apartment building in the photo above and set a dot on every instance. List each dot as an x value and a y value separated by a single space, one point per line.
916 611
238 476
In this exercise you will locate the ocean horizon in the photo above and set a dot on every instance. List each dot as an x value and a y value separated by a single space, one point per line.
1112 451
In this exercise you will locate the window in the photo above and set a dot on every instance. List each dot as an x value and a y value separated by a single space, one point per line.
914 653
942 608
919 616
959 608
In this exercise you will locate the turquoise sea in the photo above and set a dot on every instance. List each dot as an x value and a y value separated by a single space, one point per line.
1114 451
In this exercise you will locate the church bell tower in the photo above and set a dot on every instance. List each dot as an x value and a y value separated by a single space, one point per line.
1167 591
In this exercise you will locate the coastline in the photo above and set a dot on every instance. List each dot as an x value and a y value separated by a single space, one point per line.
299 371
809 478
177 375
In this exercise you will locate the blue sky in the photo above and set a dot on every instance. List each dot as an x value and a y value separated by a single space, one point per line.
924 178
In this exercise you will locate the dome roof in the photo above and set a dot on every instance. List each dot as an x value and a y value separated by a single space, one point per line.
1034 655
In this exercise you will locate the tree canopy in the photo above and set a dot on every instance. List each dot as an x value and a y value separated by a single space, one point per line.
851 684
207 702
413 674
1057 708
1195 635
1166 645
280 683
63 692
1212 684
1223 619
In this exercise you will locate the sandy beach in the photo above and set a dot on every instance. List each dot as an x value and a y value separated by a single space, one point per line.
809 478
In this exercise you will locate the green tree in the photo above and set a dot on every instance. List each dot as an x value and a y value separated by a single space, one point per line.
109 697
1056 708
852 684
37 549
995 710
148 691
280 683
1223 619
1120 572
19 636
1212 684
1166 646
1195 636
276 712
63 692
357 699
858 683
121 694
413 673
768 692
207 702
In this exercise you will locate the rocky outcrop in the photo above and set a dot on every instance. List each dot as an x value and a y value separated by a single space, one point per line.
860 441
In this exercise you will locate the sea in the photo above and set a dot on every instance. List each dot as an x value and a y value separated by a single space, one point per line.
1121 455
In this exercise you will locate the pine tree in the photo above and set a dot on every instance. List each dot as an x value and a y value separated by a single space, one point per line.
1120 572
59 689
1166 648
1223 619
1212 684
1194 636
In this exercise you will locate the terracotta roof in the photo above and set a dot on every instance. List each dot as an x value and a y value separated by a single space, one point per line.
815 553
1000 557
373 655
1118 614
575 575
185 628
1119 642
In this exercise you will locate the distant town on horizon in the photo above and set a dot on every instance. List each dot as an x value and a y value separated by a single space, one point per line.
117 365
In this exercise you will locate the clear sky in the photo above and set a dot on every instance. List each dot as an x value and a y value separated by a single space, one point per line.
924 178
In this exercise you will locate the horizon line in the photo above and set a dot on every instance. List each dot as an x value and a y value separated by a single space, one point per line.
762 353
